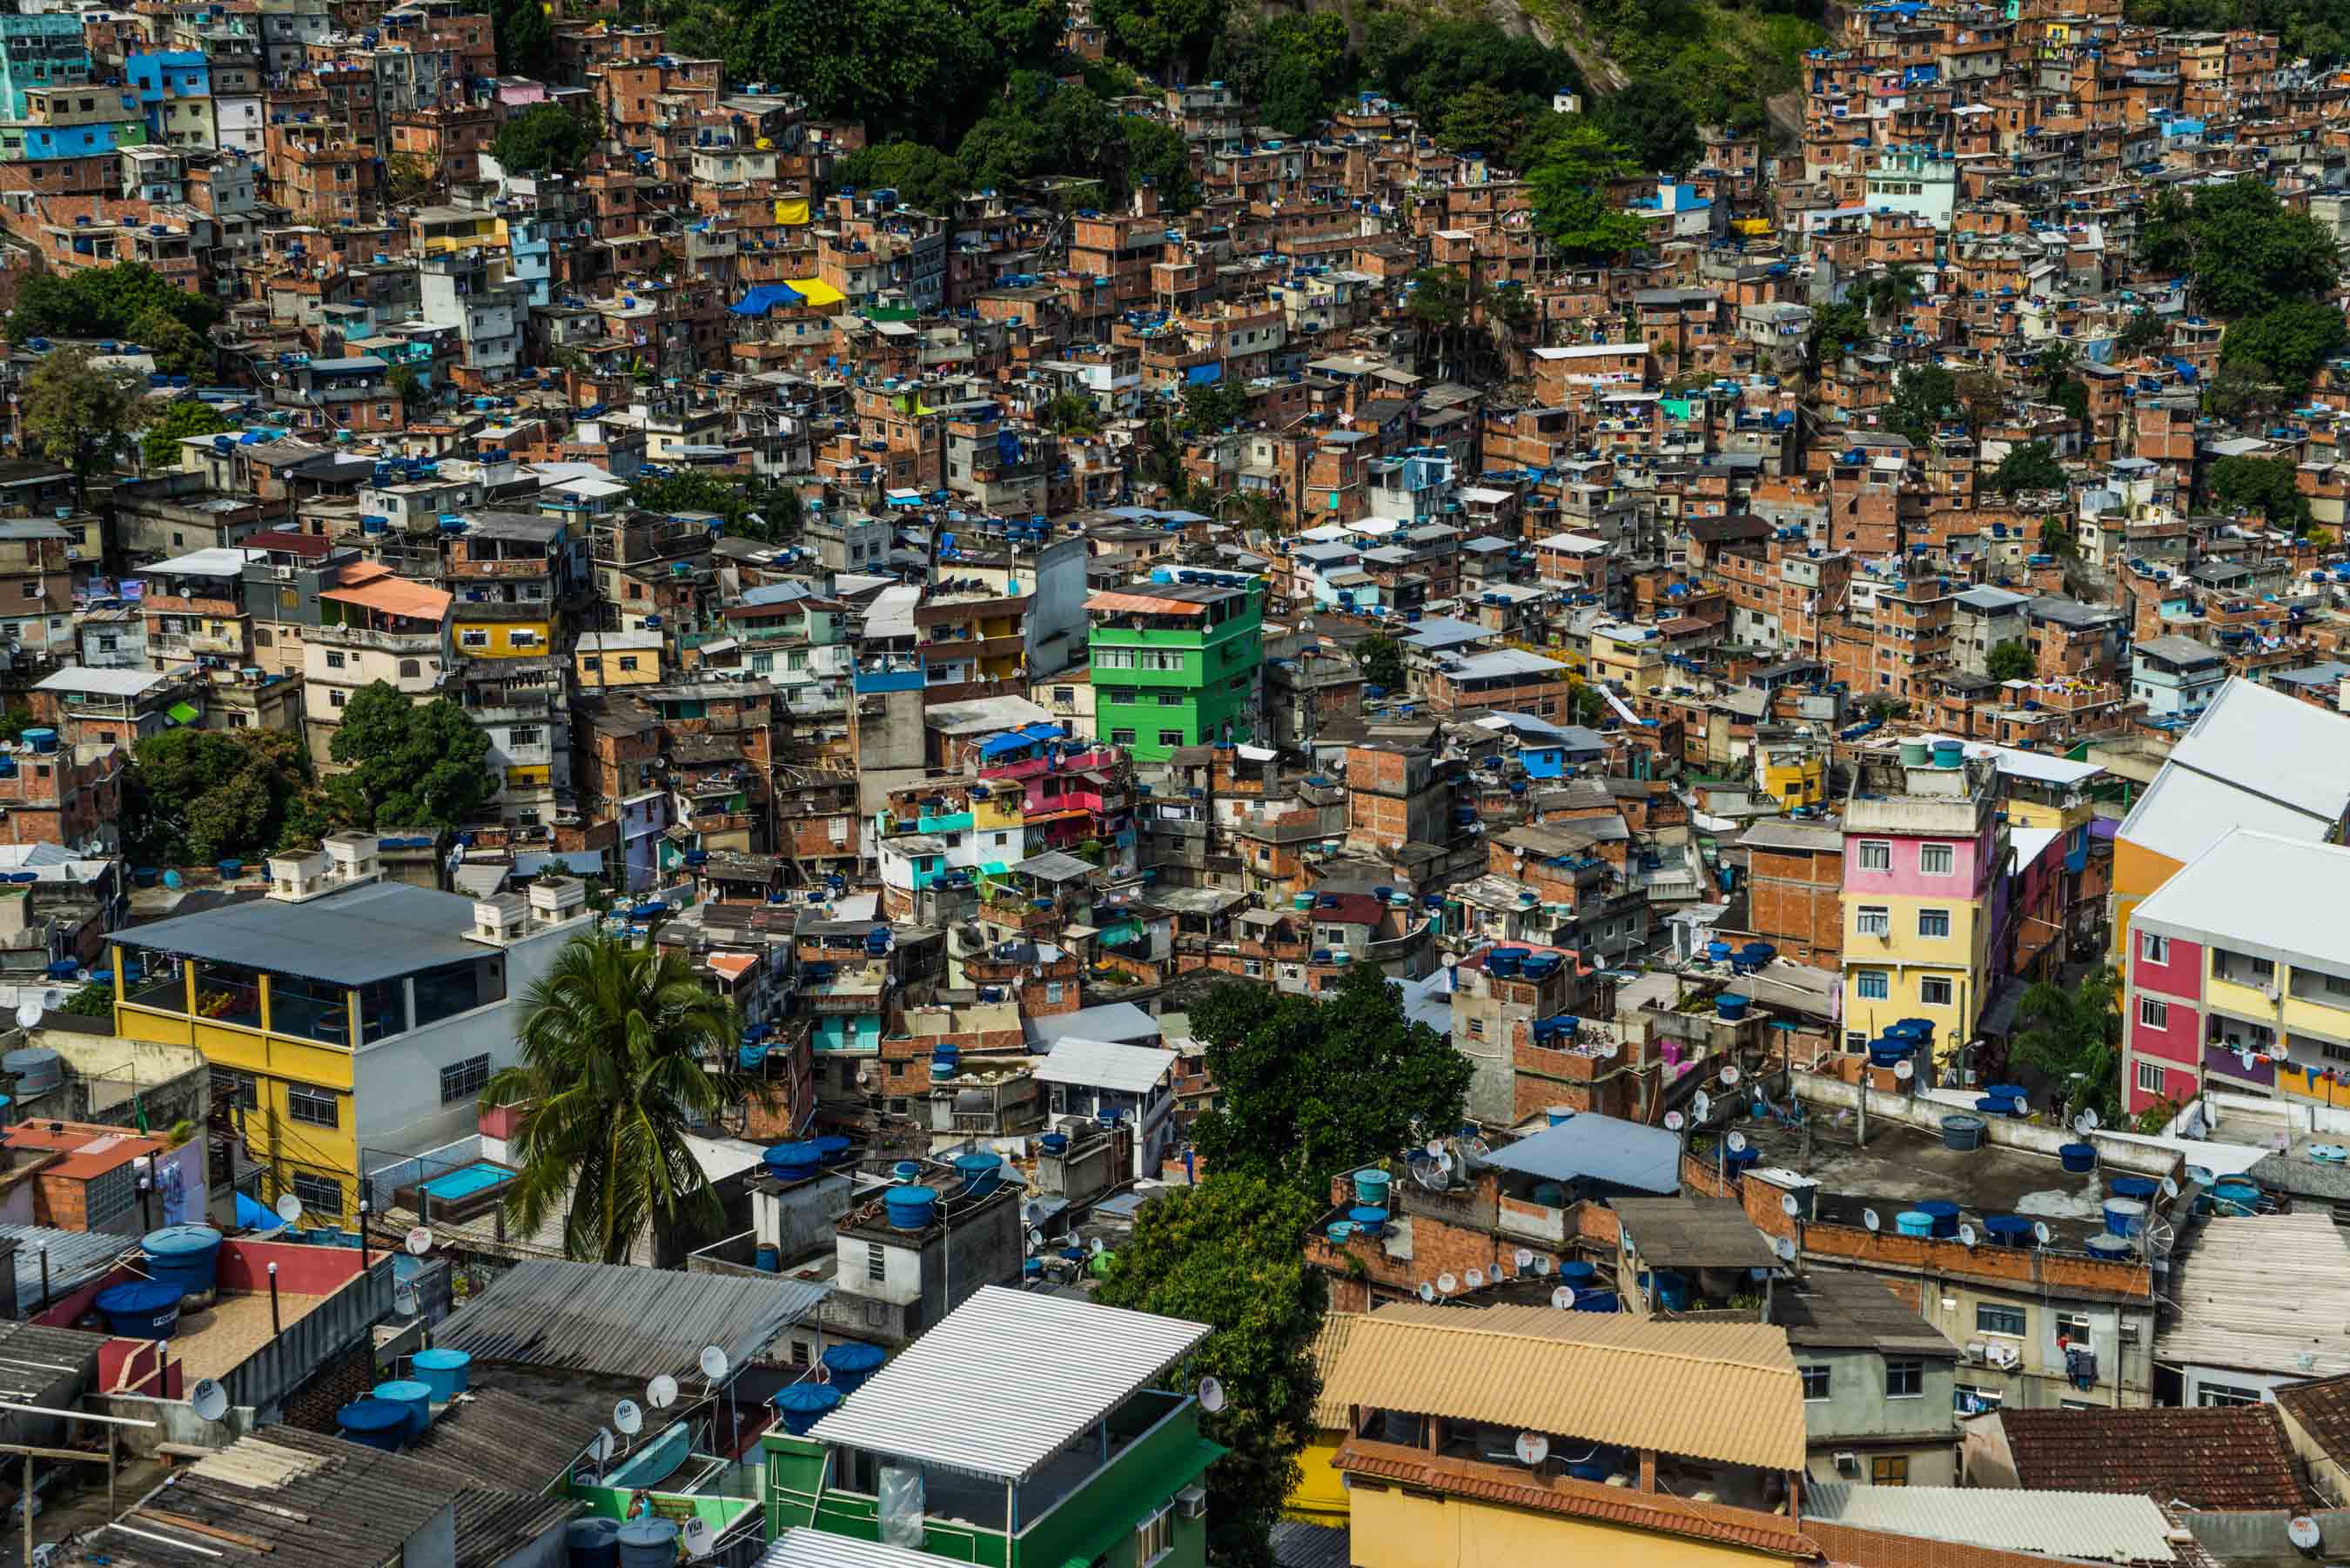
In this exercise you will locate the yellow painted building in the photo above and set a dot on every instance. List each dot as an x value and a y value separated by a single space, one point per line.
1910 957
1794 776
482 632
604 659
1320 1495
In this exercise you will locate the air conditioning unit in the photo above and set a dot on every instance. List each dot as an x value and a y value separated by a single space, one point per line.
1191 1502
1845 1459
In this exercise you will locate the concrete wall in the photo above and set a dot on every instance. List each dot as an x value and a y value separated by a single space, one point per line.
1857 1408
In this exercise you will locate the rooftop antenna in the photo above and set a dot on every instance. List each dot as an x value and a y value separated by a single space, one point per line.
628 1417
1905 1070
661 1392
1868 1217
1737 1142
2040 1233
1525 1259
1476 1280
1541 1266
1212 1394
210 1400
2171 1186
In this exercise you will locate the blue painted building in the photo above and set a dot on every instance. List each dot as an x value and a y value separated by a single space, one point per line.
43 50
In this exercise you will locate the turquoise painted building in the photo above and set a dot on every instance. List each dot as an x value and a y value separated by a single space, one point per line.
45 50
1022 1431
1178 662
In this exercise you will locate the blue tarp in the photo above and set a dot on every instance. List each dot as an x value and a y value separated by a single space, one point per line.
1205 375
1593 1147
1013 740
766 296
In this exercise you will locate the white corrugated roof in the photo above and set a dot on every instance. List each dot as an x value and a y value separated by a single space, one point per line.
1007 1380
2092 1526
806 1547
103 682
2260 1292
2274 896
1099 1064
2256 758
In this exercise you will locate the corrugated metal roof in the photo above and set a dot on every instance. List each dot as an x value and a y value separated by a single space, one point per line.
356 936
1330 1343
2260 1292
1597 1148
1007 1380
1712 1391
76 1258
621 1321
821 1549
1099 1064
2095 1527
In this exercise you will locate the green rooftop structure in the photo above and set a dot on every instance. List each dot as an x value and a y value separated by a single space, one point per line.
1178 663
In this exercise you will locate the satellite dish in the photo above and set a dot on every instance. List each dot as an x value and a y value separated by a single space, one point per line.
1563 1299
1212 1394
2302 1532
2085 1123
1966 1235
1525 1259
1436 1146
420 1241
1446 1284
1444 1162
28 1015
210 1399
1035 1241
712 1362
1427 1291
403 1297
1905 1071
1542 1265
1532 1448
289 1209
698 1537
1476 1280
2090 1118
2171 1186
1728 1076
661 1392
1868 1217
1737 1141
628 1417
603 1446
1785 1247
2040 1233
1100 1246
1673 1121
1700 1105
1789 1205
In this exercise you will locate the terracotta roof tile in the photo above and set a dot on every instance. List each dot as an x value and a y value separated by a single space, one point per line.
2323 1408
2208 1459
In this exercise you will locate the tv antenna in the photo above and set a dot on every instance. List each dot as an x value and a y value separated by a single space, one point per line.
28 1015
2302 1532
602 1447
1868 1217
1541 1266
2171 1186
1212 1394
210 1400
1737 1142
1523 1257
2089 1120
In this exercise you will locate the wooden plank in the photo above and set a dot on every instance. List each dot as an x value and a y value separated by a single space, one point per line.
197 1527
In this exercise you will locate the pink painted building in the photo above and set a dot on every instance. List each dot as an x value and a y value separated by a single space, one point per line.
2162 1019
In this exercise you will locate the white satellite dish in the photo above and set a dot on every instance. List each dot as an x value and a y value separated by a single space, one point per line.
210 1400
403 1297
1674 1121
603 1446
1609 1050
1785 1247
1525 1259
2089 1116
1789 1205
661 1392
698 1537
1728 1076
628 1417
1212 1394
1532 1448
1035 1241
1476 1280
28 1015
1444 1162
1737 1142
1700 1105
713 1363
1427 1291
1966 1235
1904 1070
1436 1146
2083 1125
1561 1298
289 1209
2171 1186
420 1241
1446 1284
1542 1265
1868 1217
2302 1532
2040 1233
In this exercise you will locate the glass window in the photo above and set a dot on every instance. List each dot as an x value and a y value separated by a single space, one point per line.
1934 991
1815 1382
1871 985
464 1080
321 1195
455 988
1873 921
1991 1319
2153 949
1933 922
1904 1379
2149 1078
1937 859
317 1107
1888 1470
1155 1539
1171 737
2208 1395
1875 855
2152 1013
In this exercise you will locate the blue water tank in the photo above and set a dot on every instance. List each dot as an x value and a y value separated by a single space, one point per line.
909 1208
592 1543
141 1309
979 1173
2078 1157
446 1372
1729 1007
187 1256
411 1395
2124 1217
1368 1221
1054 1143
1577 1275
849 1366
648 1543
374 1422
2142 1188
803 1405
1371 1187
1944 1214
834 1149
1913 1223
794 1161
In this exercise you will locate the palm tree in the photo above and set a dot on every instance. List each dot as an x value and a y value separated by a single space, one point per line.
614 1039
2075 1037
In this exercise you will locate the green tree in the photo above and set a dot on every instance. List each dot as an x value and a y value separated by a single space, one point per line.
2241 248
1226 1253
408 178
2143 333
1922 396
2056 539
1483 118
413 765
1436 303
920 69
2075 1037
624 1052
1429 65
1157 154
1157 34
2032 467
179 349
2009 661
2287 342
2263 484
1212 407
1655 125
1070 413
769 514
1886 293
1292 68
525 38
79 415
95 1000
195 795
1569 187
1835 326
924 178
1313 1085
1380 658
105 302
160 443
409 382
545 139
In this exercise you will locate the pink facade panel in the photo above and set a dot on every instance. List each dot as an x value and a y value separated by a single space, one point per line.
1904 874
2179 971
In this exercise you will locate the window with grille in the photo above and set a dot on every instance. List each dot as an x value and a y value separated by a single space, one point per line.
464 1080
875 1262
242 1090
315 1107
320 1194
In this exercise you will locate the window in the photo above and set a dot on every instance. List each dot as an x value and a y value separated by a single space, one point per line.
1905 1379
1967 1399
1155 1539
1873 921
799 1352
1066 696
1888 1470
242 1090
2006 1319
335 696
875 1262
2149 1078
1934 991
1121 737
473 638
1871 985
1171 699
2153 1014
1171 737
627 661
2153 949
1815 1382
1933 922
1477 1029
2072 1325
525 735
317 1107
2210 1395
409 668
320 1194
464 1080
334 659
1937 859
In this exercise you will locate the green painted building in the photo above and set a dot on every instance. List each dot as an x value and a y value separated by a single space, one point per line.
1019 1432
1178 664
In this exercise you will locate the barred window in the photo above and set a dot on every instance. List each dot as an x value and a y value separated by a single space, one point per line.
464 1080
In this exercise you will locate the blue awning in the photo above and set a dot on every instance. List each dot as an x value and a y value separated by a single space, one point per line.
766 296
1014 740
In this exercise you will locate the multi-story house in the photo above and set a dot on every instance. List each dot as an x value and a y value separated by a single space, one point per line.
1176 664
374 626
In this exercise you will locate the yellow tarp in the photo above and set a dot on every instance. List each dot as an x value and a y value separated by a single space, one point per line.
792 214
816 291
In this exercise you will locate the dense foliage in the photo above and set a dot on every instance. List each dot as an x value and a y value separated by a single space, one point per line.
1568 171
2266 485
412 764
545 139
2074 1038
1380 658
105 302
2032 467
80 414
2009 661
2242 250
769 514
195 796
160 443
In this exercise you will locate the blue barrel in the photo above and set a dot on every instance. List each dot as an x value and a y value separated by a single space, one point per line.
1369 1223
794 1161
906 1170
803 1405
592 1543
1591 1469
1034 1268
1054 1143
141 1309
980 1172
1995 1106
1729 1007
2016 1092
2142 1188
1716 953
375 1423
768 1258
446 1372
2113 1248
850 1365
1340 1231
2236 1196
1371 1188
1943 1213
1913 1223
2124 1217
414 1397
2010 1230
187 1256
1597 1301
832 1148
1577 1275
649 1542
909 1208
2080 1158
